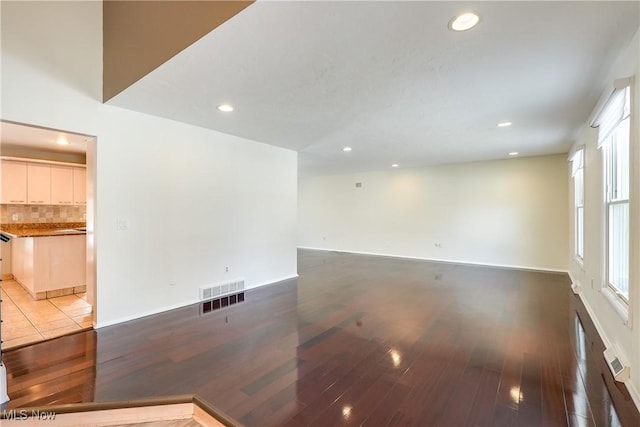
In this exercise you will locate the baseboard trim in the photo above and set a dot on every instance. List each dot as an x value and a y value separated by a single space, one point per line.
447 261
184 304
144 314
576 286
273 282
633 392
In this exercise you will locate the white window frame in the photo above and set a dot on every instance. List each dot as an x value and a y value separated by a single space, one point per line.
577 174
610 120
614 199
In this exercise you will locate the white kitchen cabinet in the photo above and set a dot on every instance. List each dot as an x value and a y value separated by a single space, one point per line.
14 182
6 264
43 264
79 186
38 184
62 185
22 261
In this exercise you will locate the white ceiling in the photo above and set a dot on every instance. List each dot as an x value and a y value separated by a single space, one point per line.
43 139
390 80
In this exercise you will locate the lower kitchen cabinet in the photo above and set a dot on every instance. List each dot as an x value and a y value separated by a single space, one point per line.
49 263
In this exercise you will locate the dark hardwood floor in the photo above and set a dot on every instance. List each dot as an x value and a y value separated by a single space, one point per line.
358 340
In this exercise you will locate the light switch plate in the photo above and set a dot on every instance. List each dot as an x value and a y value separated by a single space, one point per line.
122 224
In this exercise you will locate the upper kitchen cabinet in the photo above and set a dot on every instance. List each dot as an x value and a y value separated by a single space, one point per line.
62 185
80 186
41 182
14 182
38 184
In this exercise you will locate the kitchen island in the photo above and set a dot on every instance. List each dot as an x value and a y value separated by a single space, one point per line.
48 260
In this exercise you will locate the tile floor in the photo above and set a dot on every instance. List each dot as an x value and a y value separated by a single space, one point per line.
25 320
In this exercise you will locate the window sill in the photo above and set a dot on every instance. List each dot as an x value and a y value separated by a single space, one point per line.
618 305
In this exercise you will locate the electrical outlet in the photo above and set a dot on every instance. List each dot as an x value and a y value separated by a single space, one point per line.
226 269
15 217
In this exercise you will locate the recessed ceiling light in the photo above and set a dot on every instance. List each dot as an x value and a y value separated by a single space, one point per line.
346 149
62 141
504 124
513 153
225 107
464 21
395 165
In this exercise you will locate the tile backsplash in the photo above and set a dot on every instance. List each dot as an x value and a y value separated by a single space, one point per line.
41 213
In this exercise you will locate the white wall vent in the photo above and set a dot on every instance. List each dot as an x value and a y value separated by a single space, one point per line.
619 371
220 289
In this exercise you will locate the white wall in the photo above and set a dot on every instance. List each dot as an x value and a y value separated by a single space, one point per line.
196 200
590 274
508 212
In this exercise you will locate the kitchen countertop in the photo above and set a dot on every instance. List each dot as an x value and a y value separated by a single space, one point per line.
44 229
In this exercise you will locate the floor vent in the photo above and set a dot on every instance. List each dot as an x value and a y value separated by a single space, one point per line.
221 302
214 291
620 372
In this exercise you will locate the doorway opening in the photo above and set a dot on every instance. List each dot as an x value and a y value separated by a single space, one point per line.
47 209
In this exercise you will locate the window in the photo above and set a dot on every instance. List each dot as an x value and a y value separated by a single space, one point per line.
617 209
614 139
577 172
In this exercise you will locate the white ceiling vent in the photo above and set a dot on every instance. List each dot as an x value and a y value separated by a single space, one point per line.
620 372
